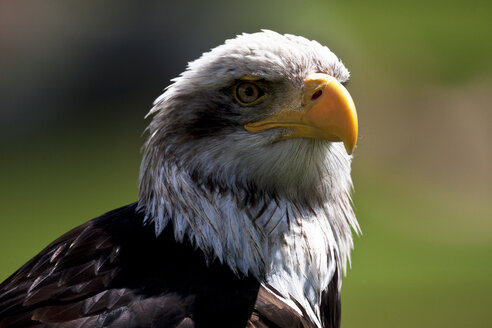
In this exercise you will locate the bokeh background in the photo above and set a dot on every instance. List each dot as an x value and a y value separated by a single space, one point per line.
77 78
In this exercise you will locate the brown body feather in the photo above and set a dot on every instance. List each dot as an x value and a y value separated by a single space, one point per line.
113 272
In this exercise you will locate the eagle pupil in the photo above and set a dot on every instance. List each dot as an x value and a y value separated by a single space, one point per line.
249 91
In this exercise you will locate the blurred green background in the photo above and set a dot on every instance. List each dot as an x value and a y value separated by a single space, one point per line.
77 78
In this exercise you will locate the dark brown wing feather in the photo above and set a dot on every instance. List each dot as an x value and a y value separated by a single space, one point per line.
270 311
113 272
331 306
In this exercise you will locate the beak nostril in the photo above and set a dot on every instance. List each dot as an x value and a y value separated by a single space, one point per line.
316 95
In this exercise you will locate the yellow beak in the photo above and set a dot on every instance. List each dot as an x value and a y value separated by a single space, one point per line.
328 113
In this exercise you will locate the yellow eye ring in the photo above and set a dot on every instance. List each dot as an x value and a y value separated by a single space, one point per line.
248 93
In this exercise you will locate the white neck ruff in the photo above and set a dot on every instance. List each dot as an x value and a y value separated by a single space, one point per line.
295 250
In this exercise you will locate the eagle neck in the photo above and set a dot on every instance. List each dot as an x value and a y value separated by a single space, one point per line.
293 249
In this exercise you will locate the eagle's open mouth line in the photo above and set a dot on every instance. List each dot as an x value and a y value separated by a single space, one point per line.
315 132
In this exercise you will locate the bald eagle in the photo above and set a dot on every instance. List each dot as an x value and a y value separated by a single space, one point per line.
244 216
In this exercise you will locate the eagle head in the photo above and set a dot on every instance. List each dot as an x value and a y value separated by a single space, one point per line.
262 114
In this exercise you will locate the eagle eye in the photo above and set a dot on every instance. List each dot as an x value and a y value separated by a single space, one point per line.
247 93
